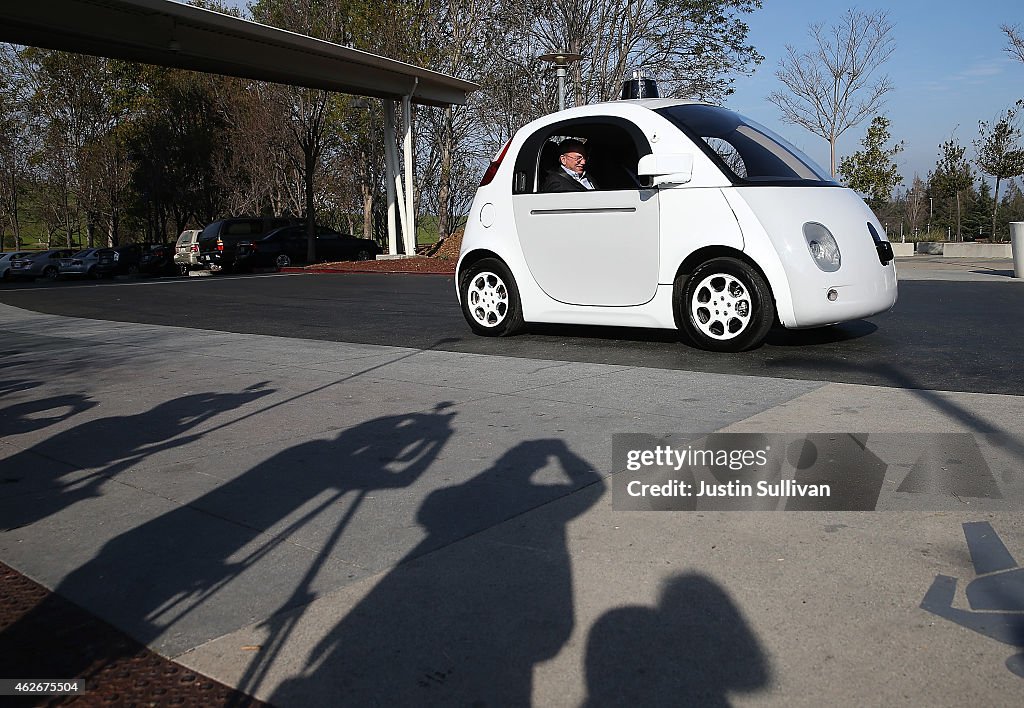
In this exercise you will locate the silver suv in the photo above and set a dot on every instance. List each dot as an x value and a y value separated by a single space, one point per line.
186 251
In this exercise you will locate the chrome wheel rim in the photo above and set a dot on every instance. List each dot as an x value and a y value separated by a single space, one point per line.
488 299
721 306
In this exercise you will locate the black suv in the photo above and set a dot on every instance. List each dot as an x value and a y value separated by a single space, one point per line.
219 241
282 247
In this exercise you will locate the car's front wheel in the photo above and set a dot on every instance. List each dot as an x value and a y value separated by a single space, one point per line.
51 273
490 299
725 305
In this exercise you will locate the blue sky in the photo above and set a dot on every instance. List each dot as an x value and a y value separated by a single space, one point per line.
949 71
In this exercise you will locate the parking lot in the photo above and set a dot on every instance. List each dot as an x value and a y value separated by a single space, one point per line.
324 490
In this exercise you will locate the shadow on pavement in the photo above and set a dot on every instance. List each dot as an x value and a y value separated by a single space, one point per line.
693 649
73 465
468 627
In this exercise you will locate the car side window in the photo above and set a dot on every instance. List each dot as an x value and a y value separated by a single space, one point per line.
614 147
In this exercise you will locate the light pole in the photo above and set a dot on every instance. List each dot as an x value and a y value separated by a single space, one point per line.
561 60
931 211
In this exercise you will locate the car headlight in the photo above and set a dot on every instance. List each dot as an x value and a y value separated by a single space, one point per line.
823 247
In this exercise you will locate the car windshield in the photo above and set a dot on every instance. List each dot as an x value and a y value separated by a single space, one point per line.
750 153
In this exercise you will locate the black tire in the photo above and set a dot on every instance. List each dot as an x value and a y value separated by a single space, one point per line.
91 273
490 299
183 270
725 305
282 261
364 254
51 273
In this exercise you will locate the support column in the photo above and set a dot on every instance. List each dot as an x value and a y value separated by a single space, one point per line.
410 208
391 153
389 175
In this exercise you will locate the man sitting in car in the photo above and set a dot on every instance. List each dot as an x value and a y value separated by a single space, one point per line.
571 174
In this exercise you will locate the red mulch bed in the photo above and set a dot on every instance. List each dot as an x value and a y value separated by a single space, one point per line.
441 262
417 264
43 636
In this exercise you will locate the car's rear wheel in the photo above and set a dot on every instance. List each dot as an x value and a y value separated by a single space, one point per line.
283 261
725 305
490 299
364 254
183 269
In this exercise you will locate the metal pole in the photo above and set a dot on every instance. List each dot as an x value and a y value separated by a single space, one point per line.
561 87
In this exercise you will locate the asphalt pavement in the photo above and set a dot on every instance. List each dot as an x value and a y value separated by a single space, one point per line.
321 512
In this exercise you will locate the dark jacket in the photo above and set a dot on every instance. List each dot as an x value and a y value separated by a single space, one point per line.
558 181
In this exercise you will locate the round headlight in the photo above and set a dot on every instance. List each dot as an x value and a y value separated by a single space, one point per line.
823 247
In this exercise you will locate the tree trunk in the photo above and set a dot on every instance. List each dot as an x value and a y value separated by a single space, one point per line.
307 178
444 188
995 209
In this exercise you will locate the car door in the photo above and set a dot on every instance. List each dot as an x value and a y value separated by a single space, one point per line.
598 247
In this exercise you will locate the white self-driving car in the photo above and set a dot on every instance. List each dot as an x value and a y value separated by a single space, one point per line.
702 220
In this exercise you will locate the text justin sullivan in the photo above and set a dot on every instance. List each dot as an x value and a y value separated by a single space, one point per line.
678 488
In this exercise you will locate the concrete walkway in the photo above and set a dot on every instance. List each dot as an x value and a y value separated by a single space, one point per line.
324 524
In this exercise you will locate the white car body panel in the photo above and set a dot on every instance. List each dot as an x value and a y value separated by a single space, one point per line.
611 257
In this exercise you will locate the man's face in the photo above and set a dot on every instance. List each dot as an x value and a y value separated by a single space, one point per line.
575 161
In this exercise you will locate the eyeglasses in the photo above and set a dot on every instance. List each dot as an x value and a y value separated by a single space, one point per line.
574 157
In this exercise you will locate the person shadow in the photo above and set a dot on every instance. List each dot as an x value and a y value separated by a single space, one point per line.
207 567
464 624
692 649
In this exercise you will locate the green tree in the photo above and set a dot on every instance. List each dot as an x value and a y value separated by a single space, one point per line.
872 171
829 87
953 177
999 150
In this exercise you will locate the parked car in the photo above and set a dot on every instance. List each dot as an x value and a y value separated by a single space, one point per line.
5 262
284 246
219 241
703 220
80 265
122 260
186 251
158 260
43 264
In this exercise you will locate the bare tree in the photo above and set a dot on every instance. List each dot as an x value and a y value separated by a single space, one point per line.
914 204
695 48
17 143
1015 41
829 88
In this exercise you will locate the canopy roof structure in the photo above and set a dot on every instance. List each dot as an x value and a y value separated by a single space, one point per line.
172 34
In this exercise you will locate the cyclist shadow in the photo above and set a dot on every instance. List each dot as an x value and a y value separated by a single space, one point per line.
467 626
694 648
178 576
74 464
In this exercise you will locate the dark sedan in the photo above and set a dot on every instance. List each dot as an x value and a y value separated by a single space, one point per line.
122 260
44 264
159 260
285 246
